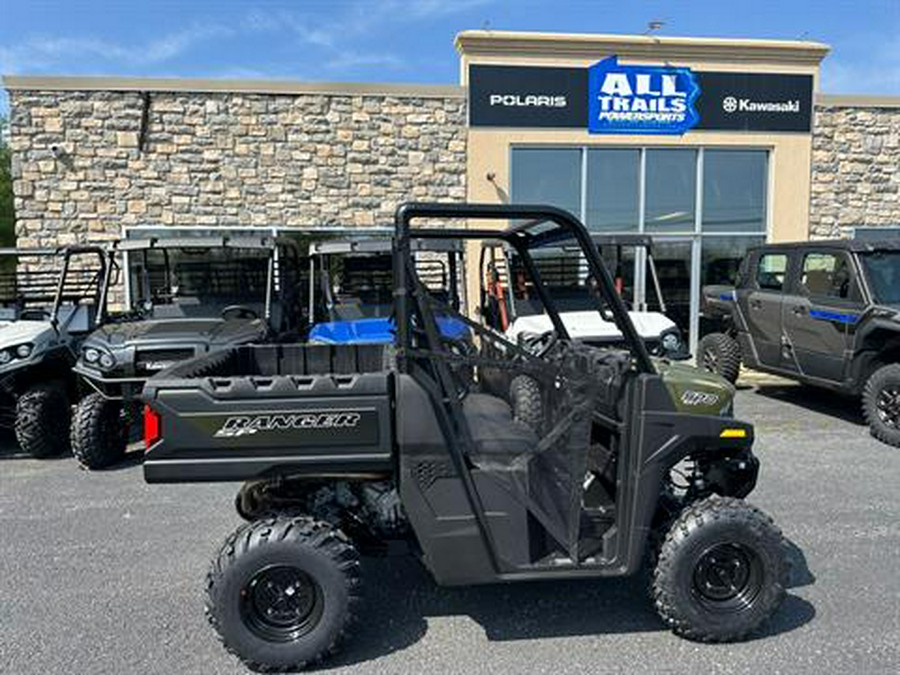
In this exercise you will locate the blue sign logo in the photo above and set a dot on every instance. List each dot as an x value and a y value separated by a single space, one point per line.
641 99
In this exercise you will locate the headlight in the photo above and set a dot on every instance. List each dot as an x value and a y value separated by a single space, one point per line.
91 355
671 342
23 351
5 357
106 360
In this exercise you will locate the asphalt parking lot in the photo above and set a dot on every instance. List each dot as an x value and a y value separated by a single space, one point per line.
101 573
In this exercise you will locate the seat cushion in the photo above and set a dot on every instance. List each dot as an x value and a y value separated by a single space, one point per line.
498 437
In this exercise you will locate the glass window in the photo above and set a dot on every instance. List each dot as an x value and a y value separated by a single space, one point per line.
547 176
721 256
827 275
734 190
671 189
613 190
882 269
771 271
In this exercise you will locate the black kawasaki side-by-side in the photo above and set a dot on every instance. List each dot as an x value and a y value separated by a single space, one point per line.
610 456
189 295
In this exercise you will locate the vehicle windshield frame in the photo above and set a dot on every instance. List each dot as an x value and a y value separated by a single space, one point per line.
872 282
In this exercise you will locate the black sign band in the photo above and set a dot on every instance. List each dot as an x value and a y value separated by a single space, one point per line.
533 96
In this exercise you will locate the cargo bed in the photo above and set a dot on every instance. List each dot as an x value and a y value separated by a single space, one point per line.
258 411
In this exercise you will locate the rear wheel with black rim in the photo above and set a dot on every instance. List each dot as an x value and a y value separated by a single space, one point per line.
721 572
720 354
282 591
881 404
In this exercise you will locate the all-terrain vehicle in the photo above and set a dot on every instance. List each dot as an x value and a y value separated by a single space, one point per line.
825 313
50 299
509 302
352 292
344 450
190 295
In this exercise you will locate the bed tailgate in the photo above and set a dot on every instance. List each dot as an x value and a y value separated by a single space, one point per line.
242 428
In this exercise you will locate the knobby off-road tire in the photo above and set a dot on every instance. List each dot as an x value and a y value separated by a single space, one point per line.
721 572
720 354
282 592
527 404
43 416
99 433
881 404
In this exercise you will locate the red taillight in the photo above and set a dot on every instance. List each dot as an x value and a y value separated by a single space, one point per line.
152 426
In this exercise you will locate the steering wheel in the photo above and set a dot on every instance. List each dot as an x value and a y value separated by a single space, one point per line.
239 312
540 345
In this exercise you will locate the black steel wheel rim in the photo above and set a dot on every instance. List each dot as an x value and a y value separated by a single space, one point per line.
710 359
888 406
281 603
728 577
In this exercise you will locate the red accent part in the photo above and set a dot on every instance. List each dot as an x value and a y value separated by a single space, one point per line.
152 426
620 285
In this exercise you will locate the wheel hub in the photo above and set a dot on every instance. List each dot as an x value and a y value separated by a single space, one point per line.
710 360
281 603
728 577
888 406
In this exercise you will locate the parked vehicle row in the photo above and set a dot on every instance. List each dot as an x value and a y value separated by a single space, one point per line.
550 432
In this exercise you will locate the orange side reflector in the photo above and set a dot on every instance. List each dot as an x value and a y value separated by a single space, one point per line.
152 426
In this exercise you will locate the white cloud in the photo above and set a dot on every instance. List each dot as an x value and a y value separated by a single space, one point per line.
863 65
42 52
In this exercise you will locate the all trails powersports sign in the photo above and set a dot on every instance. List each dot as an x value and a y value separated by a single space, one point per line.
614 98
640 99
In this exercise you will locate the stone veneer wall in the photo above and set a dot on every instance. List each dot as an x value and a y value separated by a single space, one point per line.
305 160
855 169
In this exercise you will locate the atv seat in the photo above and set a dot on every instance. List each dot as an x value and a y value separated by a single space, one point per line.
499 439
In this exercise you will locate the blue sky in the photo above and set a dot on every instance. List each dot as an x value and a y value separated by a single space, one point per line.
405 40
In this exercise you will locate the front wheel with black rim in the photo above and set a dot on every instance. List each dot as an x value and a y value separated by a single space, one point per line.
99 432
720 353
282 591
721 572
881 404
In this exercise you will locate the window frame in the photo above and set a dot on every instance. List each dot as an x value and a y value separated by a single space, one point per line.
785 283
851 300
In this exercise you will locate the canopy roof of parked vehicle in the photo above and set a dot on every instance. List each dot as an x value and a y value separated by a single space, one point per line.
226 241
381 245
855 245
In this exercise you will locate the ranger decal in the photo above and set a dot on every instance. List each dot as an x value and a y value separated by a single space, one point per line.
245 425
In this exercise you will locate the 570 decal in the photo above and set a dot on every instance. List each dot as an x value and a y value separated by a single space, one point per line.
245 425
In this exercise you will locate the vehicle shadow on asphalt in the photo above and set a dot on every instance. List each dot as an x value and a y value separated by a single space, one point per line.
401 597
846 408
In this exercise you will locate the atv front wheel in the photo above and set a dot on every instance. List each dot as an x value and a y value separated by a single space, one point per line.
282 590
721 572
43 416
881 404
99 432
720 354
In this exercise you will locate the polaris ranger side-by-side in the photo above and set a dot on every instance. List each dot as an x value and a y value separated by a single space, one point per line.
190 295
510 304
825 313
49 300
343 451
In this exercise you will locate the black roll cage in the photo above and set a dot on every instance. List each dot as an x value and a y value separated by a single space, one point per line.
522 238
